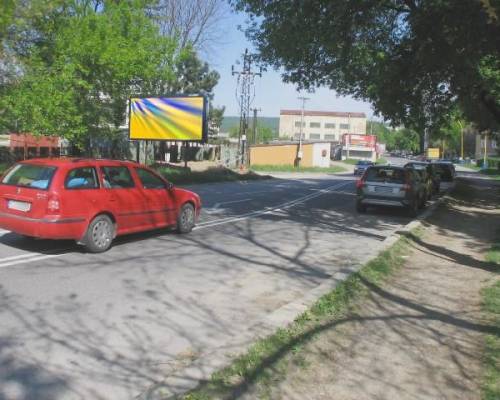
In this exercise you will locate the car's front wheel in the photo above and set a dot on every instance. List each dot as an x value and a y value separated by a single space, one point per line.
100 234
186 219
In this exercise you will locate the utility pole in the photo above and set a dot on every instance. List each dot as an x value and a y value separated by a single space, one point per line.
254 134
299 153
244 96
461 139
485 159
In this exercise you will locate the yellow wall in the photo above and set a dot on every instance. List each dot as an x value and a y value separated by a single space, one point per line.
280 155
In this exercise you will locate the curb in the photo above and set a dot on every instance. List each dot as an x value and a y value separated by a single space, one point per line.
202 369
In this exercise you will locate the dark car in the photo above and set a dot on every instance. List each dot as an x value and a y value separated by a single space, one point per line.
429 173
446 170
390 186
361 167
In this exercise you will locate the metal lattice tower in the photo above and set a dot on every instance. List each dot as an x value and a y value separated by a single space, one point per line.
245 93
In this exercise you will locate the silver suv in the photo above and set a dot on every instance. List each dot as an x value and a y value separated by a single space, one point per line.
391 186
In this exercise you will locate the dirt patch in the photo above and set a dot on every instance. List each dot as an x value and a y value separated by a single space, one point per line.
420 335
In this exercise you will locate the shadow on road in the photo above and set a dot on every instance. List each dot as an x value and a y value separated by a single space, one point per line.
236 273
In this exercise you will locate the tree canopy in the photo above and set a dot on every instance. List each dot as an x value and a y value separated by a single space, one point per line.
74 66
415 61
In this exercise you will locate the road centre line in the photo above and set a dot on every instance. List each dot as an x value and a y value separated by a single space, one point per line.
29 258
217 205
269 210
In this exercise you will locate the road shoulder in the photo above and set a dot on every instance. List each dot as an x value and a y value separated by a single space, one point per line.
420 335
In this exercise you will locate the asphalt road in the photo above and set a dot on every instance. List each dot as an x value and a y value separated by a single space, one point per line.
108 326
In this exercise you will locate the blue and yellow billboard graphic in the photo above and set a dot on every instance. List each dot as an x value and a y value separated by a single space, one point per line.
167 118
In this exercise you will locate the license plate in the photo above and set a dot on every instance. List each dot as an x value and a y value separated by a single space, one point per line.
19 205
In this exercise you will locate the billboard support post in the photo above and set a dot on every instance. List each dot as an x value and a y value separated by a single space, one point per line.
137 151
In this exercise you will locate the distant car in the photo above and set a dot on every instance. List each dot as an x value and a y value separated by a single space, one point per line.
390 186
91 201
361 167
429 174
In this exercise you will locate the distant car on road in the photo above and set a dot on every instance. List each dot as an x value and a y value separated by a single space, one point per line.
91 201
361 166
390 186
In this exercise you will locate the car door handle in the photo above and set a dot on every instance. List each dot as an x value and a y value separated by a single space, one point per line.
113 198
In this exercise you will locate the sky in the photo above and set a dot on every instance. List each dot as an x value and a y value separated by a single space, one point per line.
271 94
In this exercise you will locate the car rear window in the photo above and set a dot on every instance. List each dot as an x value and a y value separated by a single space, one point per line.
385 175
30 175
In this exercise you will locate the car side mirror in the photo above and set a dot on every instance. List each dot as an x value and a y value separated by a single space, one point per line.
169 185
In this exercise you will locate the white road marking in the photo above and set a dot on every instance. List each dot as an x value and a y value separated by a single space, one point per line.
26 260
217 205
269 210
32 257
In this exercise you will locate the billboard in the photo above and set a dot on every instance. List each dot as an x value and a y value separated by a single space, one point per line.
368 141
168 118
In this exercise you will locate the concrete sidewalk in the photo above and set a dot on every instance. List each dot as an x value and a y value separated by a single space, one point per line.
420 335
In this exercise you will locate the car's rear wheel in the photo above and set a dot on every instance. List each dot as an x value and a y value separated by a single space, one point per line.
186 219
413 209
423 201
361 208
100 234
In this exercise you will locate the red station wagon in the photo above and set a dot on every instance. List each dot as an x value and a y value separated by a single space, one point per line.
91 201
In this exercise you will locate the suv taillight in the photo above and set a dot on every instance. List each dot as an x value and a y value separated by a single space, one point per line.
406 187
53 205
360 184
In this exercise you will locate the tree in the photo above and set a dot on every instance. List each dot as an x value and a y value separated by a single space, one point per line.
215 117
413 60
195 22
80 68
264 133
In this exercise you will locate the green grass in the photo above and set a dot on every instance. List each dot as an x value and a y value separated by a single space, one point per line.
291 168
492 172
265 363
185 176
381 160
493 255
491 360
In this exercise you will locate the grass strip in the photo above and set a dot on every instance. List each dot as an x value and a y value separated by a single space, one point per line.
264 364
291 168
490 388
216 174
492 172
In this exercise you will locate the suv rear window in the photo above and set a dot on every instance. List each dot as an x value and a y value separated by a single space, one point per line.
388 175
30 175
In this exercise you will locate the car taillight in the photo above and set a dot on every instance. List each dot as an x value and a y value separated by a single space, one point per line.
360 184
53 205
405 188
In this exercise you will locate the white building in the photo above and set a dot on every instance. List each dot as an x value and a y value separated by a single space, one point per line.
321 125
